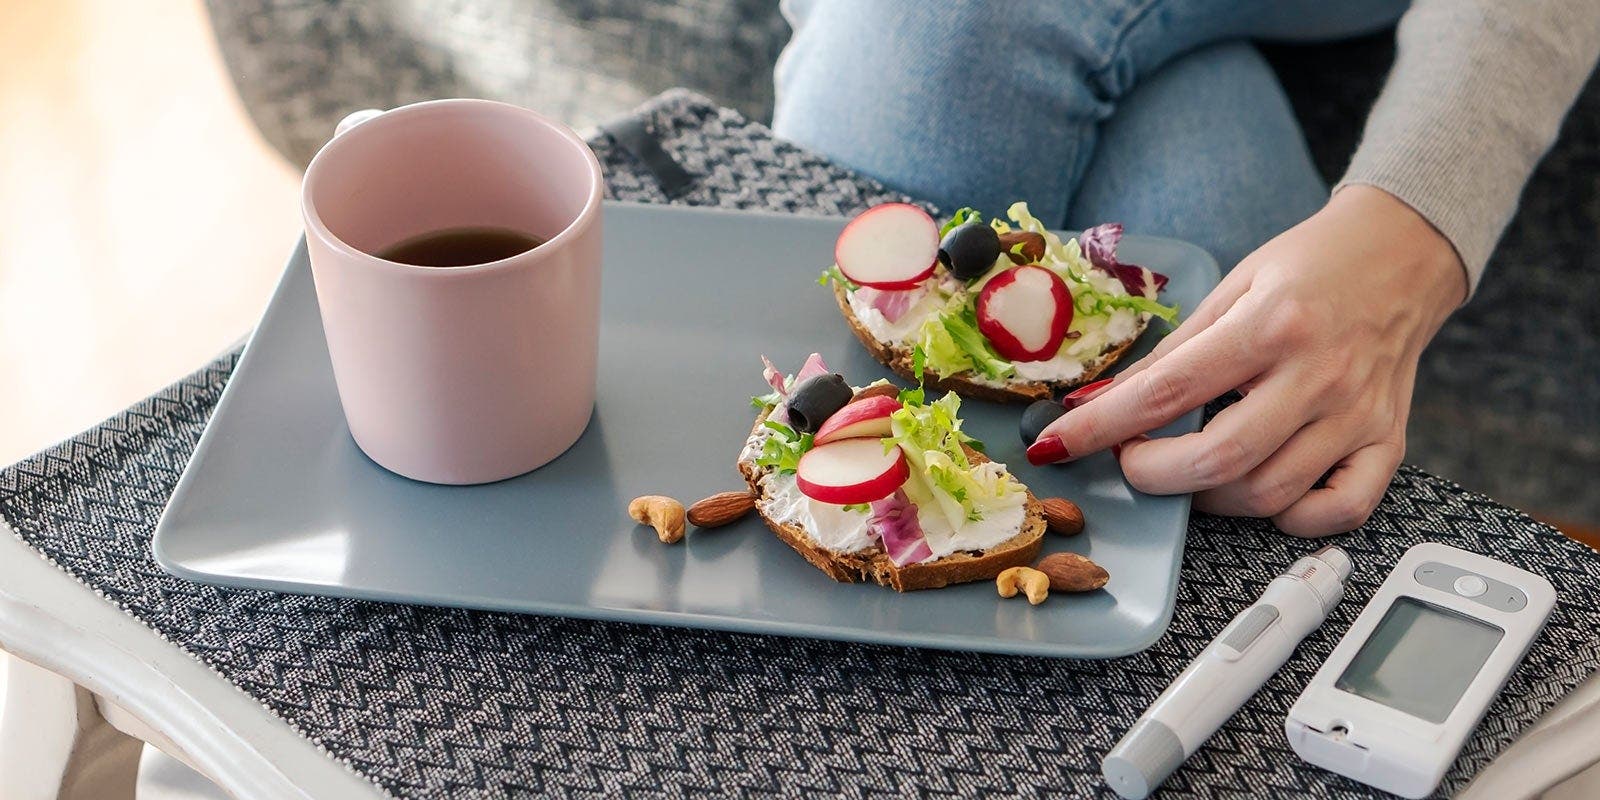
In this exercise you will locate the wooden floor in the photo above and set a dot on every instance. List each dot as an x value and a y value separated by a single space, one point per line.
142 219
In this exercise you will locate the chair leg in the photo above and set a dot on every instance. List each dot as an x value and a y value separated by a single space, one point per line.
54 745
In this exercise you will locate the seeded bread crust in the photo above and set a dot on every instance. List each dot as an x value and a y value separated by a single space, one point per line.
873 564
898 358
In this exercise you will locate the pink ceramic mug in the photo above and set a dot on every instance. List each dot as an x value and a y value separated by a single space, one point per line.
458 374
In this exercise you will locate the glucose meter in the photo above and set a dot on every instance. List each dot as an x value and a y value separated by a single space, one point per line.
1413 676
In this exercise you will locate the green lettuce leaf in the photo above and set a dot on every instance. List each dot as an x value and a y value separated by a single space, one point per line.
833 274
961 217
942 476
1144 305
783 449
1068 260
950 343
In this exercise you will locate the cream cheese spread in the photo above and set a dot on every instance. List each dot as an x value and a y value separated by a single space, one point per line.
1096 335
843 531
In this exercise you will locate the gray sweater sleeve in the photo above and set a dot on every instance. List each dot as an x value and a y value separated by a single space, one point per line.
1475 98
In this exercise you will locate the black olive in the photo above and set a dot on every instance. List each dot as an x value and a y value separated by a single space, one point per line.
969 250
815 399
1036 416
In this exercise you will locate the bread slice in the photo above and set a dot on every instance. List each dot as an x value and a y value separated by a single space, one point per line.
898 358
873 564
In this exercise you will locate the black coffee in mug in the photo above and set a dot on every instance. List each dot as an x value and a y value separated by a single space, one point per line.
460 247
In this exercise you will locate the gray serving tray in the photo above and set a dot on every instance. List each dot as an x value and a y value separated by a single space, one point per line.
278 496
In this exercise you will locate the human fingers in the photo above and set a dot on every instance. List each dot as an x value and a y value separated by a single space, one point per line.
1345 503
1238 440
1287 474
1204 316
1215 361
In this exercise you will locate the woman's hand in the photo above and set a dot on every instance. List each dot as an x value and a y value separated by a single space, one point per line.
1320 329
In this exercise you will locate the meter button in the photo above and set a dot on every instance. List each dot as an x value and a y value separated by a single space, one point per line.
1249 627
1470 586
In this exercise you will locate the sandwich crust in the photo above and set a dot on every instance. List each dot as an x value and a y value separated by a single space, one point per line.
873 564
898 358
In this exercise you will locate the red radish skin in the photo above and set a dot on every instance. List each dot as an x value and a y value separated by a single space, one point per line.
1025 312
851 471
867 417
891 246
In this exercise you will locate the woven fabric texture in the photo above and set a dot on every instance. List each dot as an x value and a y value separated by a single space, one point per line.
435 703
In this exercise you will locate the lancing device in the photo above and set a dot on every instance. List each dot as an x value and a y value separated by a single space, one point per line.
1227 673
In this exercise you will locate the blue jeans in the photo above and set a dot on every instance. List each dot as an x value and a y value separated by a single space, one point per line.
1155 113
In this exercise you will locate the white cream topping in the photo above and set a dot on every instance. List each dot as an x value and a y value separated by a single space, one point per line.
843 531
902 330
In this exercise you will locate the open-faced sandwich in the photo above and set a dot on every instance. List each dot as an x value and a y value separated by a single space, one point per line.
873 483
997 310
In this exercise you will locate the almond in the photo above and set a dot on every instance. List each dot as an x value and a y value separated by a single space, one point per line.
1032 251
885 389
1070 572
721 508
1063 516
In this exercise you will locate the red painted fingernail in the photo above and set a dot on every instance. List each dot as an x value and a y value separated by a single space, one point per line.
1085 393
1047 450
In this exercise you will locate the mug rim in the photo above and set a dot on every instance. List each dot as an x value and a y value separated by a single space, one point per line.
572 230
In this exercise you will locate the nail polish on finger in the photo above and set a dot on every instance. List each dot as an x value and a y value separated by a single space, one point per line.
1085 393
1048 450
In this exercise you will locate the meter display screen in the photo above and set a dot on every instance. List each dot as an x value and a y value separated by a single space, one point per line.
1420 659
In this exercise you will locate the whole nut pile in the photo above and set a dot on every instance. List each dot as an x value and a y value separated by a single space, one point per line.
1060 572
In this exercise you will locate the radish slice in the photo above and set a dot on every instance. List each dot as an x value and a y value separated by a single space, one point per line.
1024 312
864 418
851 471
889 246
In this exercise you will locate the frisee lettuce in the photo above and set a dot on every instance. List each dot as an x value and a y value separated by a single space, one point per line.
783 449
1143 305
832 273
961 217
943 477
1068 260
950 343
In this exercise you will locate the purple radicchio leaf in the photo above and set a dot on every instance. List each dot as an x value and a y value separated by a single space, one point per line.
895 521
1100 247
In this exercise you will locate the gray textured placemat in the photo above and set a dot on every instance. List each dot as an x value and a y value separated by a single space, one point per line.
448 703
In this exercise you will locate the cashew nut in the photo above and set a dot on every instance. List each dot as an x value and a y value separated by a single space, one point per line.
664 514
1031 582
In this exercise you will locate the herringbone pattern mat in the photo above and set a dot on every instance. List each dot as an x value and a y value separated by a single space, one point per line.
437 703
